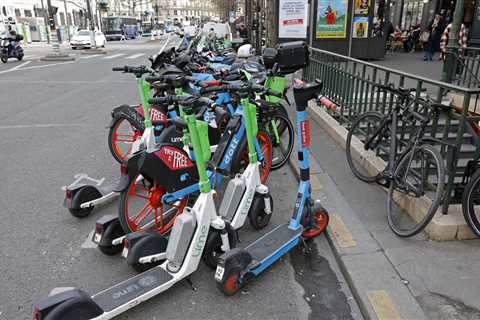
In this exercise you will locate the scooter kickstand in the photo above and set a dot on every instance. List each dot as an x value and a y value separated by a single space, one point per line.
306 247
189 281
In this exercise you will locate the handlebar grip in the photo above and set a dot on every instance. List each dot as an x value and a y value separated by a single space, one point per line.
179 123
329 104
153 78
274 93
119 69
160 100
212 89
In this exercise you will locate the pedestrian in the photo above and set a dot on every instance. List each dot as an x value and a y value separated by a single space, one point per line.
462 40
212 37
435 28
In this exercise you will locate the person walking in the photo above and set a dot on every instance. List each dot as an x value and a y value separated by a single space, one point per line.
433 44
462 40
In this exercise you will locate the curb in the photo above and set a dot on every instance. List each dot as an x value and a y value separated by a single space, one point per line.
442 227
93 51
377 287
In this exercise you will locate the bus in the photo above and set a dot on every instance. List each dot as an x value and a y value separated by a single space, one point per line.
116 27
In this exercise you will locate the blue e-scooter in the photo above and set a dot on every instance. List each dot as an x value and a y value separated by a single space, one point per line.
237 266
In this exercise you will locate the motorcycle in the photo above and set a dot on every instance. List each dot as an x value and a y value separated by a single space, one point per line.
7 52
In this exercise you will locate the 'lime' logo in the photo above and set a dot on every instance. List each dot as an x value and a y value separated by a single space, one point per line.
198 248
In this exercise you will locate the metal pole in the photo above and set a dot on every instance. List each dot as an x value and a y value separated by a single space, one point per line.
45 17
92 26
66 19
452 46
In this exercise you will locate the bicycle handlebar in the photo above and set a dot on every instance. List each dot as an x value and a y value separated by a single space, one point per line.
132 69
242 88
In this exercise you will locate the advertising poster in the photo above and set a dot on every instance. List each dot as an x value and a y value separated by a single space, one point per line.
331 19
292 19
360 27
361 7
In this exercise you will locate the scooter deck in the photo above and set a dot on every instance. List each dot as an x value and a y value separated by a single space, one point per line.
131 289
272 242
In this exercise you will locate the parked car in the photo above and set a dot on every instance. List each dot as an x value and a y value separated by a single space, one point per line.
83 38
221 29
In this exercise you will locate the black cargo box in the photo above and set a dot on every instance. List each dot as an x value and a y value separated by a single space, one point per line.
292 56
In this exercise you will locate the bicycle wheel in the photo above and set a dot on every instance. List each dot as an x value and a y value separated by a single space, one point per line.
282 142
141 207
471 203
362 130
121 137
420 172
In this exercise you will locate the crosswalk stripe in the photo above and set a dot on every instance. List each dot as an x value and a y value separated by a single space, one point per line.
30 57
92 56
138 55
114 56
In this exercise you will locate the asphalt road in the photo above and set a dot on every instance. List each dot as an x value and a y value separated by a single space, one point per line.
52 126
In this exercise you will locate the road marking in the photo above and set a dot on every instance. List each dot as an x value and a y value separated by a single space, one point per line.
16 67
138 55
114 56
383 305
36 67
340 232
92 56
48 125
88 243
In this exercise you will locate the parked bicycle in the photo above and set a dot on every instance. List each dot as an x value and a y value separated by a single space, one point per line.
414 167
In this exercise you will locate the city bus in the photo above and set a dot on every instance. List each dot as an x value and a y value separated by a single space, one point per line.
116 27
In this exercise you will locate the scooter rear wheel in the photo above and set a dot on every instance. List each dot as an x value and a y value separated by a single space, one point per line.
121 137
4 59
141 207
320 223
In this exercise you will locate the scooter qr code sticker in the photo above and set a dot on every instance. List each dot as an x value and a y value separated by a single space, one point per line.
125 252
97 237
219 273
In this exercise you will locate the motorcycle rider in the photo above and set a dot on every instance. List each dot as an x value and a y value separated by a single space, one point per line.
11 37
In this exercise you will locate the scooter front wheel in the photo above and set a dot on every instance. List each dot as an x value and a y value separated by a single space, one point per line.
121 137
318 224
231 284
4 59
141 207
213 247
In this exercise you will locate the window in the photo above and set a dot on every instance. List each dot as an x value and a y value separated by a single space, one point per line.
28 13
38 12
62 18
17 13
69 19
4 11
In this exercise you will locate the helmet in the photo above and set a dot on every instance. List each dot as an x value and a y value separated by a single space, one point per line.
245 51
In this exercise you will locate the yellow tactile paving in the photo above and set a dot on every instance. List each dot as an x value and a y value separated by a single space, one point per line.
383 305
340 232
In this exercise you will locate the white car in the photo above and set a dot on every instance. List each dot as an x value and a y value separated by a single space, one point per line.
221 29
84 38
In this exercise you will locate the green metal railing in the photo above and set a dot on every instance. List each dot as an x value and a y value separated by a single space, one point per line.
353 85
467 68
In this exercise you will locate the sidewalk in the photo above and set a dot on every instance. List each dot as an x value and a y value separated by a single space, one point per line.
443 277
413 63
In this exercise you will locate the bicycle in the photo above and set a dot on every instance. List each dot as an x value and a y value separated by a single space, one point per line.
415 171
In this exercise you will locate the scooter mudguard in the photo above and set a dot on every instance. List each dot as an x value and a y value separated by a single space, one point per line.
72 305
141 244
74 197
131 170
236 259
107 228
130 112
169 165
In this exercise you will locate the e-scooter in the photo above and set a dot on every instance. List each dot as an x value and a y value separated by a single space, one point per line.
237 266
244 196
183 254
